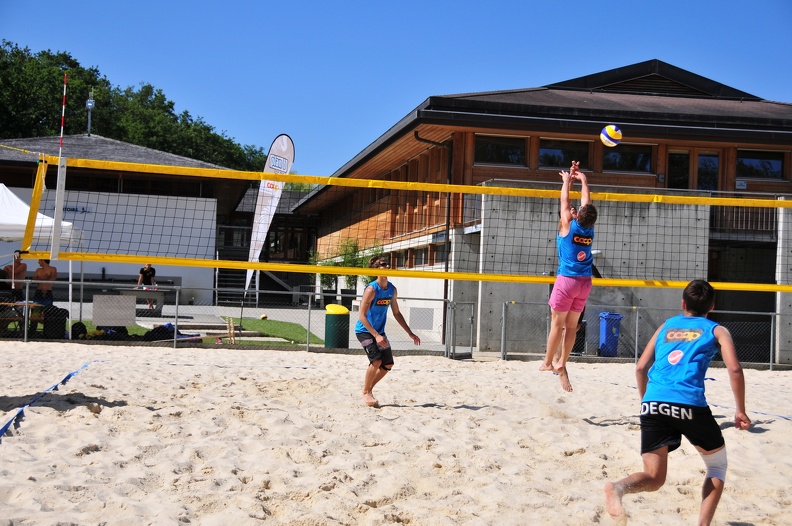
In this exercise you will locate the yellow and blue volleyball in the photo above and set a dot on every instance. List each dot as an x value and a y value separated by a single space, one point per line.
611 135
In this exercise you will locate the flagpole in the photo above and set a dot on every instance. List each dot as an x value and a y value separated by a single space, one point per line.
60 187
63 117
60 191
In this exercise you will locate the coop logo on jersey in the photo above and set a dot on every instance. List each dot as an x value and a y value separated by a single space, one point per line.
278 164
683 335
385 302
675 356
582 240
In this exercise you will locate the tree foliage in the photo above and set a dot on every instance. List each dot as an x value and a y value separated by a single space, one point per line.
31 88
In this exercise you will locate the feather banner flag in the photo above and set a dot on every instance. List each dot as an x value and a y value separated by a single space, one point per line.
279 160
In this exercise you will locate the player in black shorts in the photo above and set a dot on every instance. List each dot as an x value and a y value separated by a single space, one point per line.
673 403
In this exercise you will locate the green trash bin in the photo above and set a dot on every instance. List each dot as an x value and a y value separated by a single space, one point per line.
336 327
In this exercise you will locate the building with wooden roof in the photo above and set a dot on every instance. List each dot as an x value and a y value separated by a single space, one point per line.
683 132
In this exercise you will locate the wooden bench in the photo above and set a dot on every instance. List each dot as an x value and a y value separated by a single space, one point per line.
10 314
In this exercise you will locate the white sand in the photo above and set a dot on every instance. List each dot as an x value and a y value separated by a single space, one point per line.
238 437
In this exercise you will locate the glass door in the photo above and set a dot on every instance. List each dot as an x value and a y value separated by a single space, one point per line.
694 169
708 172
679 169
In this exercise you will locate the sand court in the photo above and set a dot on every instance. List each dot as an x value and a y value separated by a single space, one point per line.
211 437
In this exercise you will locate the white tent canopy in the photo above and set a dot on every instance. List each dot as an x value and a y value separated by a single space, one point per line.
13 220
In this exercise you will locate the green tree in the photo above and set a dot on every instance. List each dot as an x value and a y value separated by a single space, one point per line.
351 256
31 87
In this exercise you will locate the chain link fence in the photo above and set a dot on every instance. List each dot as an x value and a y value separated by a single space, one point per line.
613 333
302 320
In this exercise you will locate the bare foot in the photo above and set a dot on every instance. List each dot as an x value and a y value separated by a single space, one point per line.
545 367
613 499
566 385
370 400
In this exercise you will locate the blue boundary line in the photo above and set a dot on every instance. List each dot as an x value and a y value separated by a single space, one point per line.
20 413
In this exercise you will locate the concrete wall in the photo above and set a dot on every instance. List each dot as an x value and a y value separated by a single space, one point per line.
654 306
424 316
635 240
518 235
526 321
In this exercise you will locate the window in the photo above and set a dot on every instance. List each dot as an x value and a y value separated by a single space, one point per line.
560 154
188 189
628 158
136 186
708 171
679 169
104 184
421 256
240 237
79 182
755 164
500 150
440 253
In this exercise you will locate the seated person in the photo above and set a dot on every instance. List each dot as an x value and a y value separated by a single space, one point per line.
8 314
16 272
46 274
5 285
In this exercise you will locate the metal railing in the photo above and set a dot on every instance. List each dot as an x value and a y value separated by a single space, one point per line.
446 328
623 332
121 313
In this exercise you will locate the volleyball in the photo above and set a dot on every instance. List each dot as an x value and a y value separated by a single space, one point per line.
263 317
611 135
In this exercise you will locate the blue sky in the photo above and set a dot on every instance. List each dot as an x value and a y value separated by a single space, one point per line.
335 75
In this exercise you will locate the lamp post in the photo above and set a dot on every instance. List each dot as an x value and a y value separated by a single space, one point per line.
89 104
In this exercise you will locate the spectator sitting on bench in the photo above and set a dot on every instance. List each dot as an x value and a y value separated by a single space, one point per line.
46 274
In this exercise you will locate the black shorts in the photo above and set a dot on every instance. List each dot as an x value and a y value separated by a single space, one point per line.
663 424
374 351
43 297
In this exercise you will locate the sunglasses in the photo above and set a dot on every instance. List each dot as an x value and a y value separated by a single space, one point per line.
384 265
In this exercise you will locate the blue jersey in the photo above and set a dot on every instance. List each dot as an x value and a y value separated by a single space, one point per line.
377 314
684 349
574 251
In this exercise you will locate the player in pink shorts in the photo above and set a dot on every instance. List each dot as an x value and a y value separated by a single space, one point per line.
575 264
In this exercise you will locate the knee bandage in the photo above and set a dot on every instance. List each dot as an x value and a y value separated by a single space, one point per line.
716 464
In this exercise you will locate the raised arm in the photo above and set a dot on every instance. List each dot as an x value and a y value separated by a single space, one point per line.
585 196
566 203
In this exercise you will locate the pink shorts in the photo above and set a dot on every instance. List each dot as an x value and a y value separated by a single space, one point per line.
570 294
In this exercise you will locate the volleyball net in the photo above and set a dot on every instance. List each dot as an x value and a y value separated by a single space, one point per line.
500 231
